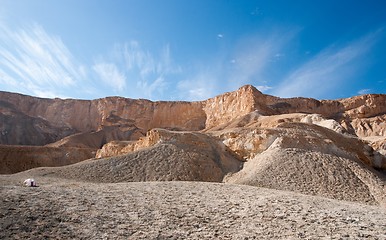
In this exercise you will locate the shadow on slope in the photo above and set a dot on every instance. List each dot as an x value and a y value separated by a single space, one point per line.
199 158
309 159
297 157
15 159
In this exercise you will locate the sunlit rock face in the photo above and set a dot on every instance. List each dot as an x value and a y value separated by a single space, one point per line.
36 121
317 147
26 117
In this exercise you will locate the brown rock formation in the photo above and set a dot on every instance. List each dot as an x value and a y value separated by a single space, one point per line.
160 156
86 116
48 120
20 129
326 148
97 139
307 158
298 157
20 158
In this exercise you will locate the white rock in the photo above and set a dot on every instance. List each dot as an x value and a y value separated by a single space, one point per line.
30 182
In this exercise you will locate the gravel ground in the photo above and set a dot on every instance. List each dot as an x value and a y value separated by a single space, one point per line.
177 210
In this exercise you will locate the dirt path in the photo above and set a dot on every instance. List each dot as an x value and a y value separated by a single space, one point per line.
177 210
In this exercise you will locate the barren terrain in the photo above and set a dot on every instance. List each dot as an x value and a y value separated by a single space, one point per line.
60 209
241 165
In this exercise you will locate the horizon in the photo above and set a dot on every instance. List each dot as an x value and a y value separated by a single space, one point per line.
117 96
190 51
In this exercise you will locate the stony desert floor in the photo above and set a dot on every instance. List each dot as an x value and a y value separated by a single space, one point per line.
64 209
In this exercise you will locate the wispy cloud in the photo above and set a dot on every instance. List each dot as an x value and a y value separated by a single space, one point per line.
110 74
35 62
33 58
137 59
256 55
249 62
146 63
156 87
198 87
364 91
263 88
327 70
129 64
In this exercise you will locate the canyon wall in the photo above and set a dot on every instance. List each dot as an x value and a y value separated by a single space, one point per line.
24 117
27 120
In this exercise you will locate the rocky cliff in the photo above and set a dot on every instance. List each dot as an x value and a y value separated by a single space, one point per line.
20 158
36 121
317 147
54 119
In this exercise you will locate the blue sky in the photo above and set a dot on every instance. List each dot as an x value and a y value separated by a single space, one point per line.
192 50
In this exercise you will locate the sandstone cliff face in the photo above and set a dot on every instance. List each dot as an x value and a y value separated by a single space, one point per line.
145 114
362 115
85 116
36 121
20 158
229 106
20 129
378 144
365 106
113 148
374 126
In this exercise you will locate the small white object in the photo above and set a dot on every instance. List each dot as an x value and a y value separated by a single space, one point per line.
30 182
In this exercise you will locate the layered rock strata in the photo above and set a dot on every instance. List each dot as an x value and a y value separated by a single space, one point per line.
35 121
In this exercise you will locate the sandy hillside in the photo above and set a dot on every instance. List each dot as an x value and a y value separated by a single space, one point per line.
199 160
309 159
298 157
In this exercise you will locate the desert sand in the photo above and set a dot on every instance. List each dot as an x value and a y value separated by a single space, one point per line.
63 209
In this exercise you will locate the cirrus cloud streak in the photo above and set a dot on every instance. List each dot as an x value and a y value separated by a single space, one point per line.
33 60
328 70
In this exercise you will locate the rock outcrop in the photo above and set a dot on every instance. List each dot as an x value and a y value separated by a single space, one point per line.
18 128
307 158
35 121
20 158
160 156
326 148
79 116
294 156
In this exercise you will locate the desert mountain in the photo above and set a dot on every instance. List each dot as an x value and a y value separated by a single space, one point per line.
326 148
24 117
